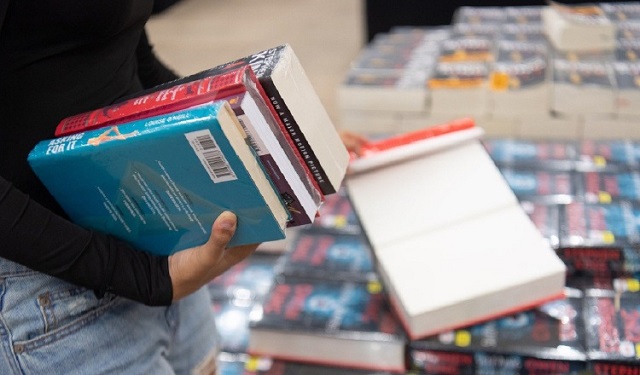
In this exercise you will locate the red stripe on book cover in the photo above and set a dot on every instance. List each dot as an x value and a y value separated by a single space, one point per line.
158 102
417 135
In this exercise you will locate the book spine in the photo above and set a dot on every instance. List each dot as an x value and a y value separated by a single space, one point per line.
299 140
288 196
157 102
287 142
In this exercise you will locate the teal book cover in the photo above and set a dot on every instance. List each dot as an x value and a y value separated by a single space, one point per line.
159 183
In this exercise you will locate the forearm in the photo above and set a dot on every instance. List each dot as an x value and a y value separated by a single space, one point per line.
37 238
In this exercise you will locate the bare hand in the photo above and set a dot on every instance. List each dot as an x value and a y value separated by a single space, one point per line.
192 268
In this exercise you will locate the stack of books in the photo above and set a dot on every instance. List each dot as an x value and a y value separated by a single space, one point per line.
591 329
533 72
250 136
327 306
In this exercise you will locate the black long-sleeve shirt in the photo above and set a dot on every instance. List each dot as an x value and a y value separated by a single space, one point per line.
58 59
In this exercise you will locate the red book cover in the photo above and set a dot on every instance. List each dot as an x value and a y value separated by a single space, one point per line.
157 102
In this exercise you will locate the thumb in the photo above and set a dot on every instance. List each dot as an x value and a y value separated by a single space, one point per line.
224 227
192 268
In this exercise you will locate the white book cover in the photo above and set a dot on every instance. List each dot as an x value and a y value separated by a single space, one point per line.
453 245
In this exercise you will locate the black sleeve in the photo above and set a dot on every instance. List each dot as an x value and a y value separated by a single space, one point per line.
39 239
151 70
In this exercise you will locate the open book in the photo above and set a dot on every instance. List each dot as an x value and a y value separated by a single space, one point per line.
452 244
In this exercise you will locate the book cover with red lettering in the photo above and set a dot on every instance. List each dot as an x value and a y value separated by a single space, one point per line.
544 340
613 332
324 255
335 323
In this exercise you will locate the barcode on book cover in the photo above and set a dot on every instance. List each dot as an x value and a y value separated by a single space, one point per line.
210 156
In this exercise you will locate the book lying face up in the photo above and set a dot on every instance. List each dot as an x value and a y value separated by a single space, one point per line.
159 183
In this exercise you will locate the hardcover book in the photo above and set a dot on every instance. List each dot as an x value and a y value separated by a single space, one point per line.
544 340
330 322
325 255
159 183
240 87
447 209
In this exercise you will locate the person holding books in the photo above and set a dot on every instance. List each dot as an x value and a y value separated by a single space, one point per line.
75 300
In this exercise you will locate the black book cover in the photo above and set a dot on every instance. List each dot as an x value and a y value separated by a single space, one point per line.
345 310
324 255
548 339
603 154
606 186
587 224
613 332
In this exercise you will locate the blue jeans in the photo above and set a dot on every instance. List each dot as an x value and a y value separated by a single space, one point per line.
48 326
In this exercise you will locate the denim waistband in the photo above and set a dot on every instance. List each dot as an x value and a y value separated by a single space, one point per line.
9 268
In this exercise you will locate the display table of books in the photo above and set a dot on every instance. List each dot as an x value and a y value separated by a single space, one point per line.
582 196
506 239
529 72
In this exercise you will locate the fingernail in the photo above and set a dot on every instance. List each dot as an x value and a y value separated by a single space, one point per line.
227 220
